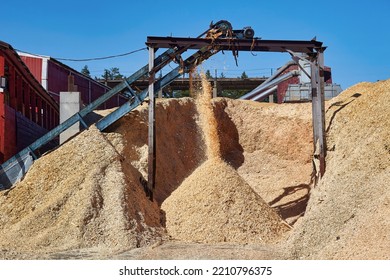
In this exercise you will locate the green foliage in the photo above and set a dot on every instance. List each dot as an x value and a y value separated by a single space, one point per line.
112 74
234 94
85 71
181 93
244 75
208 75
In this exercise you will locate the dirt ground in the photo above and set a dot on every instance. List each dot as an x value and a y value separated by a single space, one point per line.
86 200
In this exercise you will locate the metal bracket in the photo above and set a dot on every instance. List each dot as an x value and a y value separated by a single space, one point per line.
296 57
132 92
32 153
82 121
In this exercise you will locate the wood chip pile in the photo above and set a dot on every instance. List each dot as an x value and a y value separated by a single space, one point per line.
271 147
227 171
214 204
87 193
348 216
76 197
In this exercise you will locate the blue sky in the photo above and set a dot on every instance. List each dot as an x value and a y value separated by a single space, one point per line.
356 33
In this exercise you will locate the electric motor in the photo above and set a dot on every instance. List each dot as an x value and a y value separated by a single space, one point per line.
224 26
248 32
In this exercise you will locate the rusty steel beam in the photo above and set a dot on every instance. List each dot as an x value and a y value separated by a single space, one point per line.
151 128
313 49
307 47
318 114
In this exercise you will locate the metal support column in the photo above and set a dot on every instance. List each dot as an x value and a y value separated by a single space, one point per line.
318 111
152 128
215 86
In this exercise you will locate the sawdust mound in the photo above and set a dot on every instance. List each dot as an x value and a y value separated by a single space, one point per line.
215 204
270 146
179 145
76 197
89 194
348 215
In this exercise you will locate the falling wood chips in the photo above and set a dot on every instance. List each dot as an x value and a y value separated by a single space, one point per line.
214 204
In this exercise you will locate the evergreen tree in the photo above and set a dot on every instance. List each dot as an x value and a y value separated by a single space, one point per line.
208 75
112 74
233 93
244 75
116 75
85 71
107 75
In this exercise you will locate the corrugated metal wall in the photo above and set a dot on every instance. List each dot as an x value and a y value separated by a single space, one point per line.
26 109
302 92
282 87
34 65
27 131
57 80
8 146
90 90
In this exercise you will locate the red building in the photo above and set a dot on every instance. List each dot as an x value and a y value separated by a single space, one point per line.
284 87
55 77
27 111
30 87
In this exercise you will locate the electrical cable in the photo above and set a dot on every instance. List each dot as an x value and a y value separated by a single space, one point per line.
89 59
101 58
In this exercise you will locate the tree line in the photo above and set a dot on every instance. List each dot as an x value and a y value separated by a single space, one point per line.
114 74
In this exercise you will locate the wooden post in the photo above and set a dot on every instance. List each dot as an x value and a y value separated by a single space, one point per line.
215 88
318 113
71 86
26 102
39 111
152 129
33 115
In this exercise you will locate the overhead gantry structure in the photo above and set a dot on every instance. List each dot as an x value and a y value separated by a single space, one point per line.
218 37
311 51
